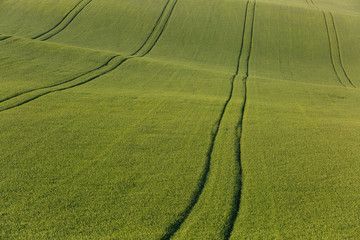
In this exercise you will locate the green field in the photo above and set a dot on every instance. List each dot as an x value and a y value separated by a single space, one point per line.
180 119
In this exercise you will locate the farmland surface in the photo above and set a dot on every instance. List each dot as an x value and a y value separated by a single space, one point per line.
179 119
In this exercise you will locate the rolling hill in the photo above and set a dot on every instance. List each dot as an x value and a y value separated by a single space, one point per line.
179 119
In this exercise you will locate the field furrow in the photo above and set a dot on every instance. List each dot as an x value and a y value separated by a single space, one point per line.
239 132
157 31
114 26
204 175
213 210
161 99
42 65
31 95
339 51
295 170
348 34
179 119
331 48
334 47
2 37
114 62
67 19
62 20
56 84
30 18
174 227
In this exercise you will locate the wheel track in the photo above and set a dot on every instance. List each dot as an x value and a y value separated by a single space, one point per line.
60 83
174 227
313 4
195 198
242 40
337 46
339 51
153 30
331 52
61 87
65 21
4 37
329 40
154 36
239 131
228 226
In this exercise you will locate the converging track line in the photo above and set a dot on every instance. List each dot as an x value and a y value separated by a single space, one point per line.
60 83
334 43
3 37
159 29
90 75
65 21
153 30
195 198
239 131
229 224
62 88
242 40
339 51
331 52
62 20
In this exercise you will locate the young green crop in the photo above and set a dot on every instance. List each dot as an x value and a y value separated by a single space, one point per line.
179 119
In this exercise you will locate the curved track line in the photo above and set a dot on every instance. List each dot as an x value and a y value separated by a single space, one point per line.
74 78
174 227
88 72
239 131
167 18
337 43
177 224
153 30
339 51
65 88
242 39
2 38
47 35
63 19
312 2
58 84
331 53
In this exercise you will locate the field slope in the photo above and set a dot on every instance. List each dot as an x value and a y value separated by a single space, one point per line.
179 119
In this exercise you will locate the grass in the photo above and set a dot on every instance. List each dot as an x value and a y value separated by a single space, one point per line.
30 59
306 185
31 18
179 119
118 26
121 156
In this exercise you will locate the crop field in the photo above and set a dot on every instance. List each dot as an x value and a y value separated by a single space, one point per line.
180 119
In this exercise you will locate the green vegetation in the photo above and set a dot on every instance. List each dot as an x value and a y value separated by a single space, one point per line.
179 119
